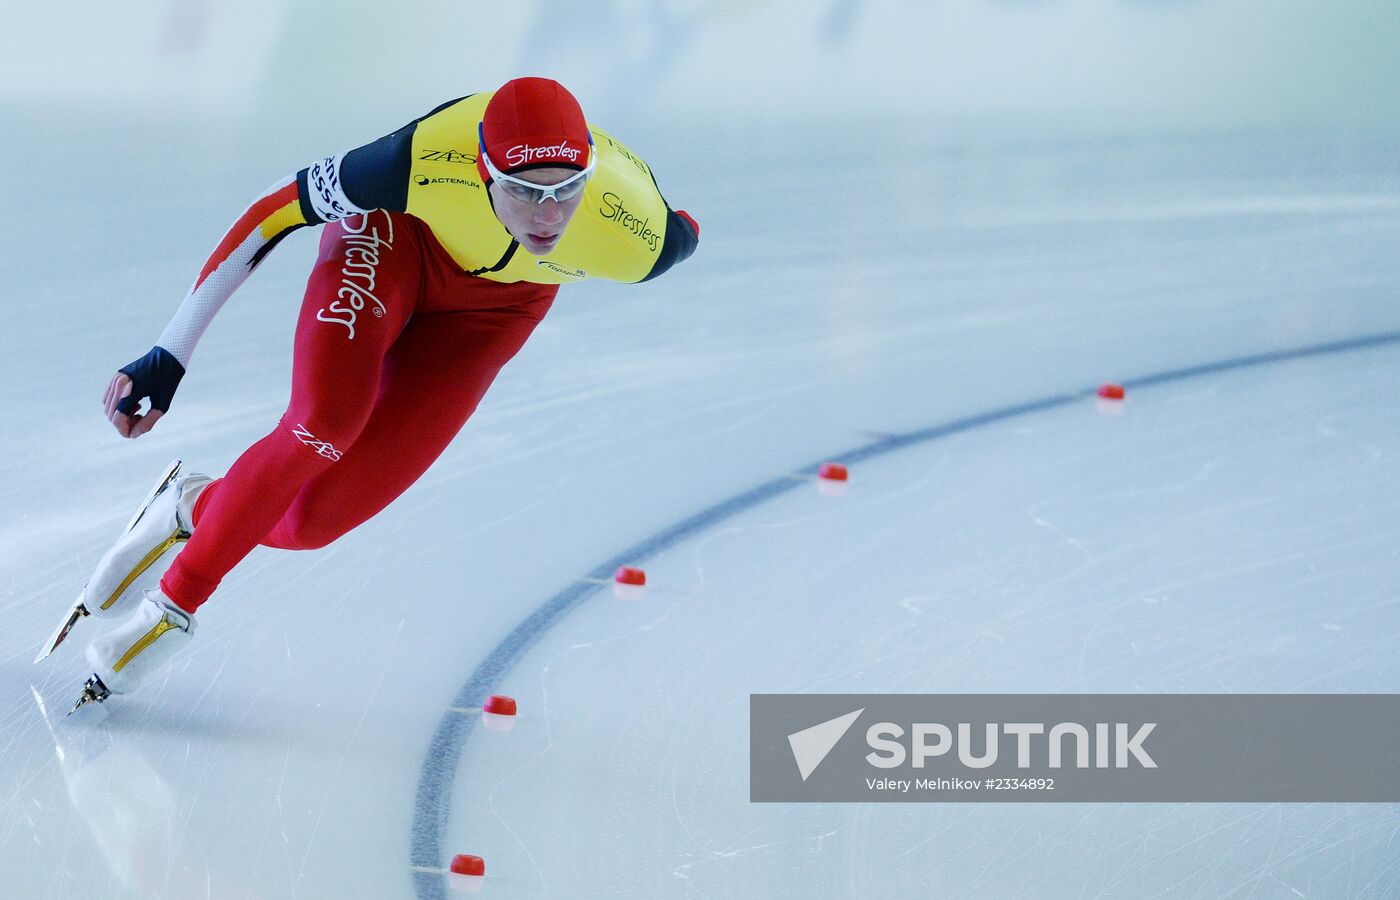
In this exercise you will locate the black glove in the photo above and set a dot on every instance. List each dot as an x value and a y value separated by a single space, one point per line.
155 375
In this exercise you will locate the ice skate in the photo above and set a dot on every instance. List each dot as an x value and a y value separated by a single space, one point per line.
126 656
139 558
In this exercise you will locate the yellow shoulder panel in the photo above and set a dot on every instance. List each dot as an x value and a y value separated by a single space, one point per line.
616 234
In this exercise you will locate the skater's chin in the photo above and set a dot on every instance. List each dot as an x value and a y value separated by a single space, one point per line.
540 244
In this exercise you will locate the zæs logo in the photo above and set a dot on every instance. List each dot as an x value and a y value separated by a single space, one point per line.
324 448
452 156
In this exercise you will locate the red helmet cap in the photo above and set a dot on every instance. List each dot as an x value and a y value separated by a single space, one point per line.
533 123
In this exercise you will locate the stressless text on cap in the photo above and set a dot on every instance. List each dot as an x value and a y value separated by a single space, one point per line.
523 154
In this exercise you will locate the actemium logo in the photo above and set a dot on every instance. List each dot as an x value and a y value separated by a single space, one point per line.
811 745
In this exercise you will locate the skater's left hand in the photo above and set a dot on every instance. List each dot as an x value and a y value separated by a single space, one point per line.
127 426
154 376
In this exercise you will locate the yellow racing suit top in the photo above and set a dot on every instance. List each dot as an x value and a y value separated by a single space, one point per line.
623 229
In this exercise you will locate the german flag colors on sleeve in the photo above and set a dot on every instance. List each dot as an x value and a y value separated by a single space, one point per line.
283 208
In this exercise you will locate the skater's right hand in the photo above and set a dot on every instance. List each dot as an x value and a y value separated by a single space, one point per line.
154 376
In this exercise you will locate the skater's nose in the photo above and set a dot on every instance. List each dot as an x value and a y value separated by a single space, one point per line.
549 212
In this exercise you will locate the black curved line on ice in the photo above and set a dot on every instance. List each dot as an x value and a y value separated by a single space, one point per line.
439 771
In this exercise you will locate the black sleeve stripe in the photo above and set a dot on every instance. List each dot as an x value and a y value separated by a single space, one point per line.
680 243
267 248
657 186
308 212
375 176
505 260
441 107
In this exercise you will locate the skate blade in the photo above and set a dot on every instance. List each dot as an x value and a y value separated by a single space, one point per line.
61 633
172 472
94 691
79 610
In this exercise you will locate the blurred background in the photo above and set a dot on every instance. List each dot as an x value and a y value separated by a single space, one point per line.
1105 62
154 111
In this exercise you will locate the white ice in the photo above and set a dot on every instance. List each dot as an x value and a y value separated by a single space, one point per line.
1234 531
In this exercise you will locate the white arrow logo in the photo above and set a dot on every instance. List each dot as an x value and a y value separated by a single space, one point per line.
811 745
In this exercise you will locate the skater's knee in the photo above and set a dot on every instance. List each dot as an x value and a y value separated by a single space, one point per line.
308 537
301 529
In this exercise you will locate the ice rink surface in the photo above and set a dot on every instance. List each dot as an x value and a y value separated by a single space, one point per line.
1228 528
933 306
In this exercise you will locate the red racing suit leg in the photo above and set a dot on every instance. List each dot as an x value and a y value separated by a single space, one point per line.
394 348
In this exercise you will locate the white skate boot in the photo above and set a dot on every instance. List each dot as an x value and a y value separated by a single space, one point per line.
145 550
123 658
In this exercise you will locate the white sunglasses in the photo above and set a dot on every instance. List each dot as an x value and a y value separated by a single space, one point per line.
528 191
